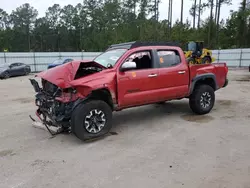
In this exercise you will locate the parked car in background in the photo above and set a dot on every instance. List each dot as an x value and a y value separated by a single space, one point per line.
14 69
59 62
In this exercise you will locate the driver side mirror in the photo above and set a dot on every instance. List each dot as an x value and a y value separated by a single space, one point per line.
130 65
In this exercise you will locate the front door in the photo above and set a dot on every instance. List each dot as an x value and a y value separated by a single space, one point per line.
135 87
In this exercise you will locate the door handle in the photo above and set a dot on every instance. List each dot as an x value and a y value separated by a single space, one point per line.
181 72
152 75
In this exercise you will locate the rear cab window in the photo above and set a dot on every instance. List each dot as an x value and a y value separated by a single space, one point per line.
168 58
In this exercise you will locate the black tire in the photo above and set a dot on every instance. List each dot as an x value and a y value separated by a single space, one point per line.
82 112
206 60
191 61
26 72
202 99
6 75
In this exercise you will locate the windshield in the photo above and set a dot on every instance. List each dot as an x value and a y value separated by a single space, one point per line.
191 46
110 57
58 61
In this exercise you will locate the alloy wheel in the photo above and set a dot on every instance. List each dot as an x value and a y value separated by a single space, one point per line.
95 121
205 100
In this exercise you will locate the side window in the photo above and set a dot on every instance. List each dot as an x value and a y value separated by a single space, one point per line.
143 60
168 58
13 65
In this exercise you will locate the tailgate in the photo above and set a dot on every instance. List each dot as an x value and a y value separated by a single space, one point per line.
221 71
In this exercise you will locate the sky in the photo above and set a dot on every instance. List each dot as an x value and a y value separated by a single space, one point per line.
42 5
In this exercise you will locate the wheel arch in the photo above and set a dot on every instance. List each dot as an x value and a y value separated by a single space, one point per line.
102 94
98 94
208 79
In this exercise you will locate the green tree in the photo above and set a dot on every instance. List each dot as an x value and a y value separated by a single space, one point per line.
242 15
53 15
23 19
94 24
217 15
4 19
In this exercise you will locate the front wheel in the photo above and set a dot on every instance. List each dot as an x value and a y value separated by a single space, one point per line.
91 120
191 61
202 99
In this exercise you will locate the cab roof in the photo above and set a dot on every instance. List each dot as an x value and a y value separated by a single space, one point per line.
135 44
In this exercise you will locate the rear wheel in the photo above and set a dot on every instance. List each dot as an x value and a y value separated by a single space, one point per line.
206 60
202 99
91 120
26 72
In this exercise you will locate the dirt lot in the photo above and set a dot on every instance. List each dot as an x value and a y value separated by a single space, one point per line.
151 146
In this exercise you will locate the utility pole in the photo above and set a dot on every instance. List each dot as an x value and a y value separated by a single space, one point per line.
194 15
80 38
216 10
199 15
155 10
170 16
181 12
211 23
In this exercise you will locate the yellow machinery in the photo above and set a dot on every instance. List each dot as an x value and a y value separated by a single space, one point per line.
196 54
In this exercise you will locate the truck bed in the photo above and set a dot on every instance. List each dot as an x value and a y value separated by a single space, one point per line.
218 69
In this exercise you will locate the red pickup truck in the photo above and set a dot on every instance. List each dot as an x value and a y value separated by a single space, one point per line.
80 96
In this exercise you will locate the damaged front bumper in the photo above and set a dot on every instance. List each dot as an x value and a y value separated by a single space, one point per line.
52 112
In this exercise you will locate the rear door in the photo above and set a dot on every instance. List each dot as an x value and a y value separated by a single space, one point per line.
173 78
135 86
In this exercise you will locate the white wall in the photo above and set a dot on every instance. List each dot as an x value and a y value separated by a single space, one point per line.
39 60
233 57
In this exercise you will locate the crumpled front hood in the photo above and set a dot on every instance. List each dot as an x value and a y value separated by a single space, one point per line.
62 75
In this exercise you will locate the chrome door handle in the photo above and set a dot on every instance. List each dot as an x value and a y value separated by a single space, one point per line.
152 75
181 72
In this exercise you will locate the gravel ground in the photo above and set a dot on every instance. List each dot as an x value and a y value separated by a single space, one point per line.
151 146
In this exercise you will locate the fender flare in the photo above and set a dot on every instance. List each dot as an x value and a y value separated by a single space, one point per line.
203 77
82 100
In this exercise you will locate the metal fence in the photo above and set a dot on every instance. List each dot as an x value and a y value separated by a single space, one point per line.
233 57
39 60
